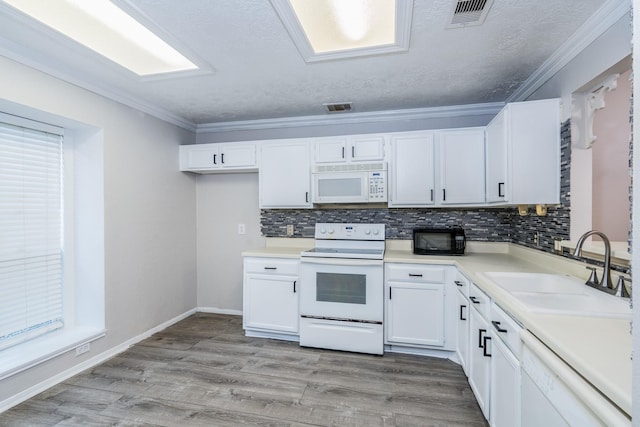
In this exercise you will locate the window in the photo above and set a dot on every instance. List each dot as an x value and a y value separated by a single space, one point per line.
31 233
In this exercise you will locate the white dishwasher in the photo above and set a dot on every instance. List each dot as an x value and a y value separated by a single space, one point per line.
554 395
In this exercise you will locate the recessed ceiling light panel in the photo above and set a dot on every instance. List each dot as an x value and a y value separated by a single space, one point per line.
106 29
334 29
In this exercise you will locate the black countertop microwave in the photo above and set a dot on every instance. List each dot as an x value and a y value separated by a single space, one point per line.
439 241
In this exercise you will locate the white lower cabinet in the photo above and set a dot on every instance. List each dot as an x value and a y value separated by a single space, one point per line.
419 306
505 369
479 371
415 313
505 386
270 297
462 331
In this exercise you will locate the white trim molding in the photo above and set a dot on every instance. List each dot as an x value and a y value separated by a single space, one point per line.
491 108
608 14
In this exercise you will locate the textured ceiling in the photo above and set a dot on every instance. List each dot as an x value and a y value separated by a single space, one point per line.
257 72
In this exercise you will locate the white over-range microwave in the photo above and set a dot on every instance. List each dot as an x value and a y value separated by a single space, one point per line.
350 183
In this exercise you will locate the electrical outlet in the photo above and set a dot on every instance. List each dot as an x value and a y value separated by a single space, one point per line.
241 229
81 349
536 238
290 230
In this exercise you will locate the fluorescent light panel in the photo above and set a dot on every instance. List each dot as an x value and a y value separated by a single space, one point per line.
108 30
339 25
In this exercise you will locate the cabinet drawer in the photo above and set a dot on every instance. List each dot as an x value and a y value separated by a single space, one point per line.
506 328
271 266
479 300
414 273
462 284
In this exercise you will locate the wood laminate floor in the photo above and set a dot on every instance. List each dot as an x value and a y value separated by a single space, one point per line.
203 371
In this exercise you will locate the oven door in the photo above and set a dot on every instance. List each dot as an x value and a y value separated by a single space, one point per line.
342 289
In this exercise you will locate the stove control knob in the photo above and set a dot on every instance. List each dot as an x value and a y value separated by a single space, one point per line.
375 232
331 231
367 231
323 231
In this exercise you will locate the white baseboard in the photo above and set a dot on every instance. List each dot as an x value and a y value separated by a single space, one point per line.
216 310
89 363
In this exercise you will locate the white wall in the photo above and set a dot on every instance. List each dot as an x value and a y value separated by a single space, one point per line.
149 214
223 202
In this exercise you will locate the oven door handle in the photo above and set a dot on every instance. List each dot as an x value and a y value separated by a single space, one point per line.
342 261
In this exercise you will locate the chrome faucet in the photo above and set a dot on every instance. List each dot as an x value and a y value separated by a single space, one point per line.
606 274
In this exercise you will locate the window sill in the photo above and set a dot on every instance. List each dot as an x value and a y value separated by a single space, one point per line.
31 353
619 251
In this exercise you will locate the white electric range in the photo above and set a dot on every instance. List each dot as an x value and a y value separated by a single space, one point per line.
341 295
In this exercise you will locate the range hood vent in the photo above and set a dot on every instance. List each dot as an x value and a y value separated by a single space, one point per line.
469 12
341 107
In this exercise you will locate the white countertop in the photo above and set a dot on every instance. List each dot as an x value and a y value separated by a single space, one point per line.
599 349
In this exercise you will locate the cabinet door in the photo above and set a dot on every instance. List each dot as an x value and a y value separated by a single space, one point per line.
415 314
479 360
233 156
285 179
505 386
367 148
331 150
462 337
271 303
412 170
198 157
497 159
462 166
534 145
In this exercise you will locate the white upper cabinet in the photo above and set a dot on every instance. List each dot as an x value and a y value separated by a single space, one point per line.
523 154
438 168
355 148
462 163
412 172
212 158
285 177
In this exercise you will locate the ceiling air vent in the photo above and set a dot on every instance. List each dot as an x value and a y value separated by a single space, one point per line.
469 12
341 107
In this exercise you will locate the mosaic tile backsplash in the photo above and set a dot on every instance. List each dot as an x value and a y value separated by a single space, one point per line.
486 224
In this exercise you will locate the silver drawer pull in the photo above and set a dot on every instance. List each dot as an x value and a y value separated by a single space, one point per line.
415 275
271 268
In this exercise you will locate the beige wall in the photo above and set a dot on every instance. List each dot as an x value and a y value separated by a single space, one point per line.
223 202
611 178
149 213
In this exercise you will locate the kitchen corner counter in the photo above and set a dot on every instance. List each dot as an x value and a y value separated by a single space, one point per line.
597 348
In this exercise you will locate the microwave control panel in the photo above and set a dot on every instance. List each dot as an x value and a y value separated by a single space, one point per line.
378 186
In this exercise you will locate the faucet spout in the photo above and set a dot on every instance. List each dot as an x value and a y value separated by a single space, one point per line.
606 275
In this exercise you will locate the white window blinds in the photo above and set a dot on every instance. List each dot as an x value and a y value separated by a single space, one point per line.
30 233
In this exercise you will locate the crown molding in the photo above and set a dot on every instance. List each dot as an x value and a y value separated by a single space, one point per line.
33 59
608 14
352 118
108 93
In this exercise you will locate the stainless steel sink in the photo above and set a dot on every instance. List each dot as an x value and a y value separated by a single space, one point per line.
559 294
